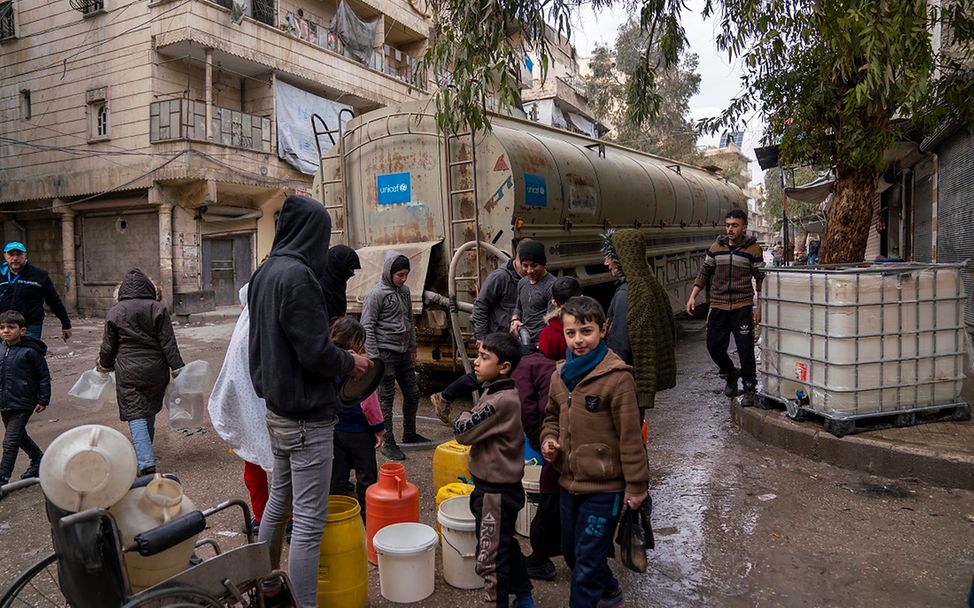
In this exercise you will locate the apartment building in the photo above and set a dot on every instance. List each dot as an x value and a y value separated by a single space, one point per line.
165 134
560 100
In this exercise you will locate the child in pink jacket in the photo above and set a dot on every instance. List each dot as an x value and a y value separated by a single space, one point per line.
360 426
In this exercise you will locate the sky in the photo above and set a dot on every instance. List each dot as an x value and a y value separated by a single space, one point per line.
719 79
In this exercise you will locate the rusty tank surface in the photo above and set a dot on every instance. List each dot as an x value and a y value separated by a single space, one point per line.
394 181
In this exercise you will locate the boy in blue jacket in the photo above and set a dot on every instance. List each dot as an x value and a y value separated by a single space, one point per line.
25 389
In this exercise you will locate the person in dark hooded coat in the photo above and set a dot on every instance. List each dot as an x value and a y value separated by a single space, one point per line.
139 344
341 266
294 366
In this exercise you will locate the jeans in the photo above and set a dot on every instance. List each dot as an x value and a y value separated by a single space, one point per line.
399 367
15 438
588 525
354 451
34 330
720 325
303 453
143 434
463 386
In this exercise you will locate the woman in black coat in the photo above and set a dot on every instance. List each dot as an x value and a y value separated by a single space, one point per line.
140 345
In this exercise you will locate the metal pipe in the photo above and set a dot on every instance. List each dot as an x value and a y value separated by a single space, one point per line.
209 93
453 305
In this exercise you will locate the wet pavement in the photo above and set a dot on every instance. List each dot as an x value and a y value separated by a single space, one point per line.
737 522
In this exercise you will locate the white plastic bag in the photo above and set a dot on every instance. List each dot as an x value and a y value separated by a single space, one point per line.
93 390
184 396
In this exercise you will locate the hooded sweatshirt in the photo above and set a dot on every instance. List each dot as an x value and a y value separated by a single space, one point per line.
25 380
140 345
387 315
342 264
293 362
642 328
495 301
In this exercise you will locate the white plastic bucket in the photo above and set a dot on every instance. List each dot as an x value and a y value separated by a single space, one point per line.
459 543
407 561
532 487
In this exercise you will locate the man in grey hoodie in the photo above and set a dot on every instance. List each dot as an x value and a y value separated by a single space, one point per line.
389 334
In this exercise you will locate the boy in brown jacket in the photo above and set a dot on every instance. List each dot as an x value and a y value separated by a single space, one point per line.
592 435
493 430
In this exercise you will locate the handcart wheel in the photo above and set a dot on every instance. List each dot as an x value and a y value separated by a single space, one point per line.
37 586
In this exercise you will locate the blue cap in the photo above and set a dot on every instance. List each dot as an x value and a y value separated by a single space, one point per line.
14 246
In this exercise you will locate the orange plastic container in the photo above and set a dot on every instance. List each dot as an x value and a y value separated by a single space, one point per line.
391 500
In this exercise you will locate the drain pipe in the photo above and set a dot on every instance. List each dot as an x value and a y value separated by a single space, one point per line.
455 307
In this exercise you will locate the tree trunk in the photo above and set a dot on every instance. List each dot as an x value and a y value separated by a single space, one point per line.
849 217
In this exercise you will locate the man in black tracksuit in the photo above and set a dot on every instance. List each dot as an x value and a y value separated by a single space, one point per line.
25 288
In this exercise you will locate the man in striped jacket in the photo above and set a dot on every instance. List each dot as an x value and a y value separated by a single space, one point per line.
733 276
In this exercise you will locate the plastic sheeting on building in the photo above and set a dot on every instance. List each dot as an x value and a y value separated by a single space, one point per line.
295 137
357 34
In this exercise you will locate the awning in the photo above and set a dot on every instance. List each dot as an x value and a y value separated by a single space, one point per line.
814 191
372 259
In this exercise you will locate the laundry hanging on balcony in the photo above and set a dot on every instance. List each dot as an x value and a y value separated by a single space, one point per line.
295 137
357 34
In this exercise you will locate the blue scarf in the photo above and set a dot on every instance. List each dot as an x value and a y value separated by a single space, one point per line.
576 368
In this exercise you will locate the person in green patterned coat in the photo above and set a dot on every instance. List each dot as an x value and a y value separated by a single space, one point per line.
642 328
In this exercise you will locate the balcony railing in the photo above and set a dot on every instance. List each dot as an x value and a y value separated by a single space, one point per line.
185 119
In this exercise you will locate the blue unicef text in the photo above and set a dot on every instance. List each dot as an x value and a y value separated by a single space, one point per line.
535 191
394 188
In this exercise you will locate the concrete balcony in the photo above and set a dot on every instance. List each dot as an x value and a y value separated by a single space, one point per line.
185 119
253 48
561 89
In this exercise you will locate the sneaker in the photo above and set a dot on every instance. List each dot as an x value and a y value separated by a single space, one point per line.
613 600
34 470
392 451
747 399
150 470
525 600
442 408
730 388
414 439
544 571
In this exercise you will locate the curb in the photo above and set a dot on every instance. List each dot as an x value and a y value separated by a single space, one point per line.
857 452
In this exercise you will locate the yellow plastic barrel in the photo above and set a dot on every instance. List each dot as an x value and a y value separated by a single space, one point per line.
451 490
450 464
343 575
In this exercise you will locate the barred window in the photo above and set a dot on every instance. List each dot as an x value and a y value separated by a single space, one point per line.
7 25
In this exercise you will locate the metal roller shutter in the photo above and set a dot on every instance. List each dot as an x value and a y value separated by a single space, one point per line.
955 209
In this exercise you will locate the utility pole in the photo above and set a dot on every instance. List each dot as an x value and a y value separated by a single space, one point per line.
784 216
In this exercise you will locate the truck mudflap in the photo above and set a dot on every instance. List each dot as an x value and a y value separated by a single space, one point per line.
372 258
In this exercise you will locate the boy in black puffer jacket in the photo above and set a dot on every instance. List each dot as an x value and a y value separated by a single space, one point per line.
26 389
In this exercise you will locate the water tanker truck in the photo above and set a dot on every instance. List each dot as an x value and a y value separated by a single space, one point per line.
458 204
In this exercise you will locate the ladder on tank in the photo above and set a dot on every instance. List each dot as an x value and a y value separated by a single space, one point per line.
461 186
337 210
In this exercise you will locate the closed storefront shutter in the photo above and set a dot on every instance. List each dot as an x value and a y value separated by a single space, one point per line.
955 208
922 210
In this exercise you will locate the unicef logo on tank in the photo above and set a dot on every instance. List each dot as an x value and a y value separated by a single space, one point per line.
393 188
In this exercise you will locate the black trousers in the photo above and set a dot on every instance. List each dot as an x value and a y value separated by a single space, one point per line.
354 451
461 387
720 325
15 438
546 528
499 557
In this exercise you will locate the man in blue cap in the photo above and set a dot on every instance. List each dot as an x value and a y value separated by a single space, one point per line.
25 288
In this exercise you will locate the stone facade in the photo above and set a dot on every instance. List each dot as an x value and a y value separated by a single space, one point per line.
135 133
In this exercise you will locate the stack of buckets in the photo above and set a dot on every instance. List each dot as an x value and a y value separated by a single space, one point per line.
451 482
403 548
